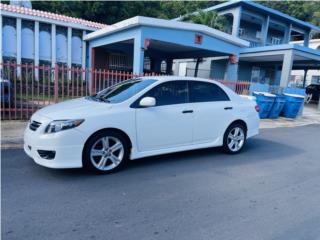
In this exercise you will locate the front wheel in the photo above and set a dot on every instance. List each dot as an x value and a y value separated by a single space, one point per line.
106 152
234 138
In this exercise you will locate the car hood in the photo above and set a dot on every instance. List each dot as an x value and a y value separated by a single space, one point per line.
73 109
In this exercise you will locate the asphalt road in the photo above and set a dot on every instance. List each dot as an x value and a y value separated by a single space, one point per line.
270 191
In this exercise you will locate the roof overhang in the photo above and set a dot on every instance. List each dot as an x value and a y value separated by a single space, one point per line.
48 17
168 24
301 55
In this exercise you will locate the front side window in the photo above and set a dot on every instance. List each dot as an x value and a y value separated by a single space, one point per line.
206 92
123 91
168 93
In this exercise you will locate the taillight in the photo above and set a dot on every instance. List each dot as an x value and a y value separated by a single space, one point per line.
257 108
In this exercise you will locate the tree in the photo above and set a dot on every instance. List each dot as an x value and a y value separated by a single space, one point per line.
211 19
308 11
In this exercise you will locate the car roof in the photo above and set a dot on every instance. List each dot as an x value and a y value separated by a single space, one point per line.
170 78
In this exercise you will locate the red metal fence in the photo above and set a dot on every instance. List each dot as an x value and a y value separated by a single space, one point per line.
26 88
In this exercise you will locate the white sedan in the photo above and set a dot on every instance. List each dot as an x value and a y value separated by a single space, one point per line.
139 118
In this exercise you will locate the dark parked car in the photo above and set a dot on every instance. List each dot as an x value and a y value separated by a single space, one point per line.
6 92
313 92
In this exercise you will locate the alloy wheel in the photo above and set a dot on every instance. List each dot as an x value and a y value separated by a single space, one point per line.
107 153
235 139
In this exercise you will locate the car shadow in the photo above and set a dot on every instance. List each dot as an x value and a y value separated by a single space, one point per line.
256 150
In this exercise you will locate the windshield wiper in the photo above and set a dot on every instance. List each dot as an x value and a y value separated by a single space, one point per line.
98 99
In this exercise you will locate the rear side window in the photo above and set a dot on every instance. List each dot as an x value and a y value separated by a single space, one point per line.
168 93
206 92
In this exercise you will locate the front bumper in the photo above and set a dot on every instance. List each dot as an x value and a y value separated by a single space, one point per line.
67 144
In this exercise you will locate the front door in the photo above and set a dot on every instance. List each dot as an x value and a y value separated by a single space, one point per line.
169 123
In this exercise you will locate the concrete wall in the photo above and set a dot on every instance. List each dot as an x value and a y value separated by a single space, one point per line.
218 69
245 71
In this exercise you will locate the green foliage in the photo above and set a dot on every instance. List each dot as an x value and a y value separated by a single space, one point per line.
308 11
211 19
110 12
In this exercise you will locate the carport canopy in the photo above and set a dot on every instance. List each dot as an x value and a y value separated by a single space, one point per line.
161 39
289 56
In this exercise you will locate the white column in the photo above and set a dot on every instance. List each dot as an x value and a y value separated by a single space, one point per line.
53 45
236 21
1 60
138 56
306 39
18 28
69 50
84 55
287 35
84 49
264 30
286 68
36 48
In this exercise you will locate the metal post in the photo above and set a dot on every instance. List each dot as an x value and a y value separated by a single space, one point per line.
305 77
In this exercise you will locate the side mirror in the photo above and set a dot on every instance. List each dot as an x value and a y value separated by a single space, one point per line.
147 102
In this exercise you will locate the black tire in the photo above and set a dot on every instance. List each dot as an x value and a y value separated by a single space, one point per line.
231 128
86 156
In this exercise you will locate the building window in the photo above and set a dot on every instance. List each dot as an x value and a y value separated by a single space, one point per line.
315 79
258 34
241 31
119 62
163 67
275 41
255 75
147 63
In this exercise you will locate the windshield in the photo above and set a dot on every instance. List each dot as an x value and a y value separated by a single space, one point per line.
122 91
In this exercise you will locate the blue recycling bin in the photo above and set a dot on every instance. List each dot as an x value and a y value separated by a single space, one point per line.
277 106
292 105
265 101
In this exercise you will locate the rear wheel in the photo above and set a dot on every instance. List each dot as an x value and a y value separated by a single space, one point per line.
234 138
106 152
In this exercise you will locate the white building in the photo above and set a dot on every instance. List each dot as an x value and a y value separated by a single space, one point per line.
38 37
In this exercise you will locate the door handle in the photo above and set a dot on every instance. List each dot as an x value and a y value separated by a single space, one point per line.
187 111
228 108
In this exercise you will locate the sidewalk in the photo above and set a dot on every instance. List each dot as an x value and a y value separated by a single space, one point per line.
310 116
12 131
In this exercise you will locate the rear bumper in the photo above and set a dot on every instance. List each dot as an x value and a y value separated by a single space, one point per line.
253 122
68 146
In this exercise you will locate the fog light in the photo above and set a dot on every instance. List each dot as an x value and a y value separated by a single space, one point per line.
47 154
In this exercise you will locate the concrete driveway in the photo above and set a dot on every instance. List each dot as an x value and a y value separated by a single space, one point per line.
269 191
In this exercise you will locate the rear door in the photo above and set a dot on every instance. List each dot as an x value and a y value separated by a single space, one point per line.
213 111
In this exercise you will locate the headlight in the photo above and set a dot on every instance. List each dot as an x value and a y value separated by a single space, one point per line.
59 125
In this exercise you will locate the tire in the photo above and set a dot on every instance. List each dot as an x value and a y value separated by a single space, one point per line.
238 138
106 152
309 98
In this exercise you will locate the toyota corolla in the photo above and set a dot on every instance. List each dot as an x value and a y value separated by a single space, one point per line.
138 118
